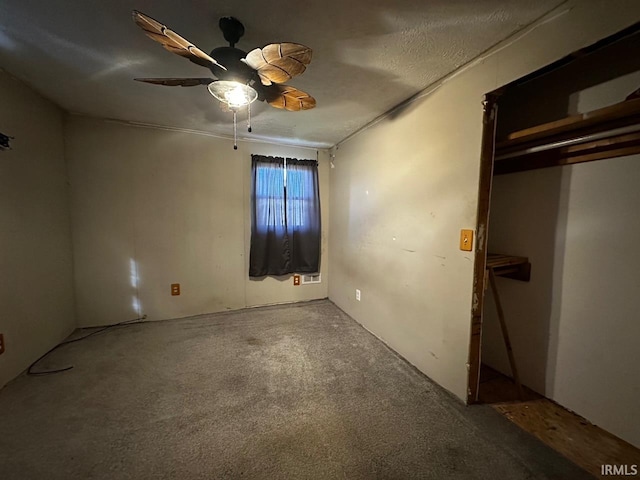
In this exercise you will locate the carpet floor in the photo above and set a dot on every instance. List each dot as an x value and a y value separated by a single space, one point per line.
286 392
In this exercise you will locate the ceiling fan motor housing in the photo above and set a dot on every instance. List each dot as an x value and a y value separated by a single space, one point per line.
237 70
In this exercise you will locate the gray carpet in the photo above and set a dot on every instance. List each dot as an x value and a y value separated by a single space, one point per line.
290 392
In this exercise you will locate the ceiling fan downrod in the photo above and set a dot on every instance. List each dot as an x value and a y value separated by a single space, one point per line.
232 29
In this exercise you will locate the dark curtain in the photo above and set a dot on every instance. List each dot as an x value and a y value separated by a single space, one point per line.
285 222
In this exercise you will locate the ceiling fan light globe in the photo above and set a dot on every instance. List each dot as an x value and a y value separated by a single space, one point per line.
234 94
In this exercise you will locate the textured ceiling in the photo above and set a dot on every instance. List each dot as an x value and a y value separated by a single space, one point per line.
368 56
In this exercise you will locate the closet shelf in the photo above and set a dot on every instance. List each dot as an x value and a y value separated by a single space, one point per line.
510 266
608 132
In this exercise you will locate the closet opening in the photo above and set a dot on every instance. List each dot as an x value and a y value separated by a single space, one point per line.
555 285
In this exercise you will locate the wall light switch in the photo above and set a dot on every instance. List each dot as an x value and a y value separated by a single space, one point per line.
296 280
466 240
175 289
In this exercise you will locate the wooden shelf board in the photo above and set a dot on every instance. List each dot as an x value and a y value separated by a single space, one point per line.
620 114
509 266
612 147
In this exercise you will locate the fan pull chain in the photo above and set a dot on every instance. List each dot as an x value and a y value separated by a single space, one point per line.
249 118
235 129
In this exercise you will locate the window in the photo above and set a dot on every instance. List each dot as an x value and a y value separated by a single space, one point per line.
285 229
301 195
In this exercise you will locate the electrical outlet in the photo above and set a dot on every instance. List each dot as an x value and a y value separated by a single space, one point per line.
296 280
357 294
175 289
1 343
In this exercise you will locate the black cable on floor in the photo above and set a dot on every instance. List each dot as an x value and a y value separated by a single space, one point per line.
67 342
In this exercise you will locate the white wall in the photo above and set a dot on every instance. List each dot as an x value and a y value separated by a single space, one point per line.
153 207
574 327
402 190
36 286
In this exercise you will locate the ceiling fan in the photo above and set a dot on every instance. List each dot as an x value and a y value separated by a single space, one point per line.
240 77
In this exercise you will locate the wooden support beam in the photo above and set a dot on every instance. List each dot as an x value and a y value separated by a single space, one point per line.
505 333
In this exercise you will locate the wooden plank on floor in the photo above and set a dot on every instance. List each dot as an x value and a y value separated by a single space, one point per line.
574 437
585 444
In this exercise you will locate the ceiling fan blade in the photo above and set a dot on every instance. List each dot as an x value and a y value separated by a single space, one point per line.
176 82
289 98
173 42
279 62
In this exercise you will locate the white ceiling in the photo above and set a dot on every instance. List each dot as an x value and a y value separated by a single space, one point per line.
368 56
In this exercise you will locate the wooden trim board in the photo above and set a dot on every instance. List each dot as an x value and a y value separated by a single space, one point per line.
489 121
